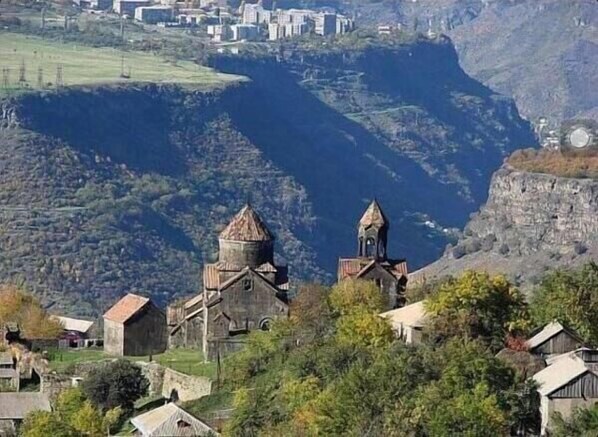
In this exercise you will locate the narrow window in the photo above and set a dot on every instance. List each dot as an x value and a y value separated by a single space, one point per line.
370 248
247 284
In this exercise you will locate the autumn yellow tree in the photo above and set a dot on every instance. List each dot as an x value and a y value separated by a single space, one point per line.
24 309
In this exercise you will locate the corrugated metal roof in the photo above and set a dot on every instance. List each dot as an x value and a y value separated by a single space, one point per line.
373 216
126 308
559 374
18 405
8 373
246 226
71 324
170 420
413 315
547 333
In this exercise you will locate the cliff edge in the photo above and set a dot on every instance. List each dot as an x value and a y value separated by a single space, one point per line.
531 223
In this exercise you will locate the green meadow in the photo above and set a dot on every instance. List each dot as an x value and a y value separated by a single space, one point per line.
83 65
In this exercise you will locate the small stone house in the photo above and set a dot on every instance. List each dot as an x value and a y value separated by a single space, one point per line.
134 326
554 339
170 420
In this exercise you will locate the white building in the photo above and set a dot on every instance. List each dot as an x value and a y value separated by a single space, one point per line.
256 14
154 14
220 32
325 23
245 32
408 322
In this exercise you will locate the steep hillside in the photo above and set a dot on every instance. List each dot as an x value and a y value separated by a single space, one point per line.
531 223
111 189
542 53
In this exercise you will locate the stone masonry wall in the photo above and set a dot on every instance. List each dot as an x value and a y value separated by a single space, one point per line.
187 387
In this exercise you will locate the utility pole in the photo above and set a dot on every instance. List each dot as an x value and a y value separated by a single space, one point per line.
22 71
59 80
40 77
43 25
122 29
5 77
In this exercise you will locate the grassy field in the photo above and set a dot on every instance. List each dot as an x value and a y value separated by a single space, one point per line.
82 65
186 361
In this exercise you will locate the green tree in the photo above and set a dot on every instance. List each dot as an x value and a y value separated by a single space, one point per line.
477 305
118 384
44 424
355 295
73 415
571 297
364 329
582 423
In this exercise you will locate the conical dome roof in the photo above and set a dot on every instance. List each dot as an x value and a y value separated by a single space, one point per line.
246 226
373 216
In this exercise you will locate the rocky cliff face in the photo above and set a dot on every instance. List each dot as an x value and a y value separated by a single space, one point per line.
531 223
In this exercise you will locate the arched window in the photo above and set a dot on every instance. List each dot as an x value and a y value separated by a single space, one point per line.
360 248
266 324
370 247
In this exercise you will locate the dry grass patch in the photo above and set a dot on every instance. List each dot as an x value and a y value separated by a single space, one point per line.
555 163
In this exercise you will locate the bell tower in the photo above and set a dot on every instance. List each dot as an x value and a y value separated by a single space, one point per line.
372 235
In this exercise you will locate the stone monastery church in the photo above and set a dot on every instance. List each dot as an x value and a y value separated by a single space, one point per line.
245 290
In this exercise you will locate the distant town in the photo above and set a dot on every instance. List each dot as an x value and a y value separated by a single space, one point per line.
260 21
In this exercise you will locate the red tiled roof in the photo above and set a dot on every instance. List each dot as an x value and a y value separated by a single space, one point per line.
373 216
400 268
126 308
246 226
353 267
347 268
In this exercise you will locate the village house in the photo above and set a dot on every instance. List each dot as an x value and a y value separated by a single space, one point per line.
169 420
14 407
75 331
554 339
134 326
408 322
372 262
243 291
570 381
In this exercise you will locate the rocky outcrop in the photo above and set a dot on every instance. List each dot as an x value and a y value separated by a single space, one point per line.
531 223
